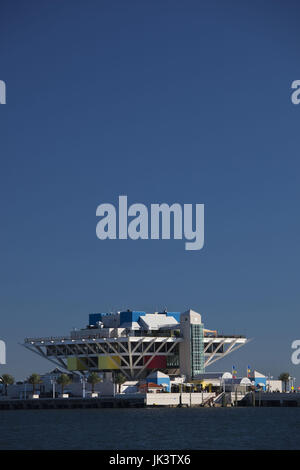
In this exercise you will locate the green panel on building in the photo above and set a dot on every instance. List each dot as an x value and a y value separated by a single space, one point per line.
197 350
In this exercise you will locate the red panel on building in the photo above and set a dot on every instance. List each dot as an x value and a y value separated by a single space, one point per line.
158 362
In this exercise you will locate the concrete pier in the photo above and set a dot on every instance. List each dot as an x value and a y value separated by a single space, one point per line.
270 399
149 400
72 403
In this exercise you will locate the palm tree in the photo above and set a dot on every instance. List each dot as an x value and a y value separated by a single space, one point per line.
119 379
93 379
7 379
63 380
34 379
284 377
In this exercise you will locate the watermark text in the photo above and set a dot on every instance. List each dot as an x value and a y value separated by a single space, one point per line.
295 358
2 92
295 96
160 221
2 352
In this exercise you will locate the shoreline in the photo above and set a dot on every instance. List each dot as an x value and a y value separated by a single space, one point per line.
254 401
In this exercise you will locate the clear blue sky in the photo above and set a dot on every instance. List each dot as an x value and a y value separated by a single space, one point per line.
165 101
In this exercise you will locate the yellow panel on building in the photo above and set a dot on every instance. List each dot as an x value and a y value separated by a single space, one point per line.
109 362
74 363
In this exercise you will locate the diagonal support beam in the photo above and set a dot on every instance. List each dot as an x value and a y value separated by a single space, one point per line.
41 353
233 347
208 345
152 357
214 353
114 362
144 352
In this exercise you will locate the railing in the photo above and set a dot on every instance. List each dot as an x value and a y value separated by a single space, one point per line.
208 402
47 339
226 336
128 333
219 398
96 336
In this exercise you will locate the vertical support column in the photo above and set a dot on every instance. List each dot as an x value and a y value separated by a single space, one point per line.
192 348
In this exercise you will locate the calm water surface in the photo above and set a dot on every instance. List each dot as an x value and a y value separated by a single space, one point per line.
180 428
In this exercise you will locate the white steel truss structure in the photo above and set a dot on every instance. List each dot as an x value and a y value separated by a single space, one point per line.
134 354
130 355
216 348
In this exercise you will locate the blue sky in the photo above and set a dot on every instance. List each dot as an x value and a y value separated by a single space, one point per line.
164 101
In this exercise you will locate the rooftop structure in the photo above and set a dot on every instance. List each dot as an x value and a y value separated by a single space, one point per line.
135 342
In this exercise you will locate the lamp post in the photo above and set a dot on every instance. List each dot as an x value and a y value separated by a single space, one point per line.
191 395
180 394
222 384
53 381
293 384
83 380
290 382
269 378
235 394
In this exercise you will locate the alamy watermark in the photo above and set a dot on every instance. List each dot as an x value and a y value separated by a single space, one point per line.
295 96
2 352
139 222
295 358
2 92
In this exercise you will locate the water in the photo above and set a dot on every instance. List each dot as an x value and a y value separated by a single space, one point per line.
179 428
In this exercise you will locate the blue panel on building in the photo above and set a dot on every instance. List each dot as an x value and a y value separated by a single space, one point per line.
94 317
165 381
160 381
260 382
131 316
